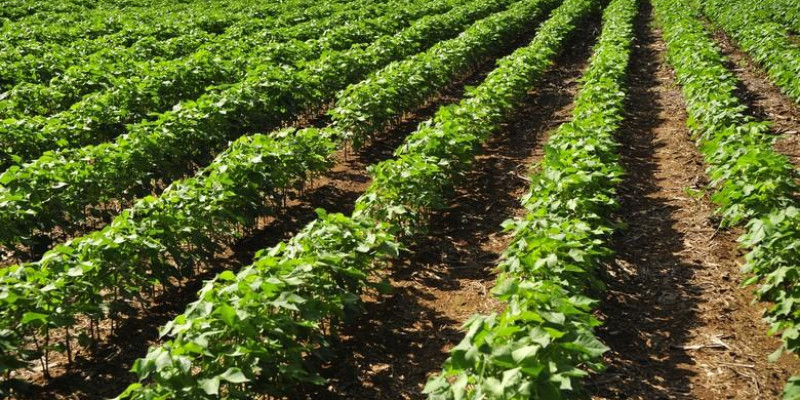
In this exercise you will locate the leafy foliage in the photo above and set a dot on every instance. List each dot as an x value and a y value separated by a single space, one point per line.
439 150
767 42
138 91
39 48
174 369
542 343
365 108
55 189
258 325
784 11
158 239
754 186
792 390
134 57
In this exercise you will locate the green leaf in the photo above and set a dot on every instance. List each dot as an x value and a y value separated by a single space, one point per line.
210 386
234 375
227 276
226 313
33 316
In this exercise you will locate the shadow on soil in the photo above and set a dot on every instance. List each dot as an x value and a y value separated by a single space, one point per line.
650 306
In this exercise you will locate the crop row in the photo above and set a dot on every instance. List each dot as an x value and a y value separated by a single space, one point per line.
368 106
100 275
767 42
131 23
55 189
147 89
111 21
16 11
786 12
185 222
32 64
542 343
754 186
100 70
35 61
250 332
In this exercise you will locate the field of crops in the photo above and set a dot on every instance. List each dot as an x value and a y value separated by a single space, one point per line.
400 199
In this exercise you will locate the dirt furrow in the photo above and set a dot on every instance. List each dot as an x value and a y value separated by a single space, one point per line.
765 100
446 276
678 324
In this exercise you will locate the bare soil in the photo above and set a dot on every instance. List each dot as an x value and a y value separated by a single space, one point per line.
678 324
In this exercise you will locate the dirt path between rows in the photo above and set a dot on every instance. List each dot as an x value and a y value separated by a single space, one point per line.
678 324
765 101
447 275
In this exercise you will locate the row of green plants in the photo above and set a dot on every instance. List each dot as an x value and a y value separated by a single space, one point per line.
56 189
543 344
111 20
786 12
16 11
128 70
252 331
101 275
146 89
127 25
753 186
24 88
184 225
172 35
21 11
367 107
766 41
37 61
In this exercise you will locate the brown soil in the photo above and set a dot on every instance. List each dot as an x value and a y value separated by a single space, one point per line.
765 100
678 324
446 276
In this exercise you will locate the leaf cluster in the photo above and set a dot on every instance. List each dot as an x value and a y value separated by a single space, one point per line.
132 53
784 11
250 332
432 158
36 50
159 238
367 107
99 275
